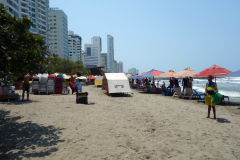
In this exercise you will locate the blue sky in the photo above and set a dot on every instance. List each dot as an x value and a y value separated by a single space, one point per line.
162 35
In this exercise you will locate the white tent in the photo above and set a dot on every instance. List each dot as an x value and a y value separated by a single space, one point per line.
115 82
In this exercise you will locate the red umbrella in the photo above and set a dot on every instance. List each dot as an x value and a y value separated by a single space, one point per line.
214 70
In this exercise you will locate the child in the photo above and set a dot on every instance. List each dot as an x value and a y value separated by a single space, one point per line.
210 88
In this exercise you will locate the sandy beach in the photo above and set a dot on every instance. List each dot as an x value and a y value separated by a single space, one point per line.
135 126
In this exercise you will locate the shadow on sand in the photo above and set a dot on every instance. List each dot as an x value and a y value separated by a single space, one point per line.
120 95
13 102
19 140
222 120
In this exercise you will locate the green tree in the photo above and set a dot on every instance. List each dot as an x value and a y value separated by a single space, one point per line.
20 50
61 65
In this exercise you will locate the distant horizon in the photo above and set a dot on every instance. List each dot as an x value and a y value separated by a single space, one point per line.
161 35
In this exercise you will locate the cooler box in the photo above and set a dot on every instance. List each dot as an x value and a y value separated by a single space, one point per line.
82 97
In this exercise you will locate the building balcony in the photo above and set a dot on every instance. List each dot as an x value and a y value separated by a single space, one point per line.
42 29
25 7
42 19
41 23
41 3
24 13
25 2
41 8
42 14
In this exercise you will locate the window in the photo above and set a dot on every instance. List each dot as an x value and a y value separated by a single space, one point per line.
55 43
54 19
55 31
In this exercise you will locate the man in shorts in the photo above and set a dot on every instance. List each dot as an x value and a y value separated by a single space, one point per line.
185 83
26 86
210 89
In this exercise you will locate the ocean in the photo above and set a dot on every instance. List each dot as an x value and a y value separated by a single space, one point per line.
229 86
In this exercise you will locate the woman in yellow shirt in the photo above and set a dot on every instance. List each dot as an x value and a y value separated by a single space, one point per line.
210 89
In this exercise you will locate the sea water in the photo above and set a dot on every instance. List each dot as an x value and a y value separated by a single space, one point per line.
228 86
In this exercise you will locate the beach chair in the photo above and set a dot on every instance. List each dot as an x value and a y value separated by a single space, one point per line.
5 95
107 91
166 91
73 87
177 92
141 87
223 99
79 86
201 96
189 93
158 90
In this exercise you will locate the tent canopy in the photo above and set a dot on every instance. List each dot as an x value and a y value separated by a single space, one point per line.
234 74
150 74
115 82
81 77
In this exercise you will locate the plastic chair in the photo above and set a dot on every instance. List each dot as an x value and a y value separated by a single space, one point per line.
79 86
201 96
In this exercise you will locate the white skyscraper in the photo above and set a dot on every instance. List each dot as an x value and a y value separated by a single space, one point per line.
58 32
110 54
37 11
91 56
74 46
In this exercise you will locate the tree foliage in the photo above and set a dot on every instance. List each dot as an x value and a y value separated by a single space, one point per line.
56 64
20 50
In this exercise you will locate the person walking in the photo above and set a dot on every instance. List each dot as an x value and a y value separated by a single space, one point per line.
210 89
26 86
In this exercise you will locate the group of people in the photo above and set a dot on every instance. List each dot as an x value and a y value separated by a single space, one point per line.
187 82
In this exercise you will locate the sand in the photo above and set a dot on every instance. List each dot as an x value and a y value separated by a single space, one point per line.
134 126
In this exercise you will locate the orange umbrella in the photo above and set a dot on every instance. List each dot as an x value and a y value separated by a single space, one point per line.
91 77
186 72
169 73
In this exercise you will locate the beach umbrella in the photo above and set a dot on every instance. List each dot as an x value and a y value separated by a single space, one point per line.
169 73
128 75
91 77
149 74
234 74
214 70
186 72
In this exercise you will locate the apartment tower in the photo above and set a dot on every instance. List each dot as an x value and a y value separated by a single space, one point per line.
58 32
36 10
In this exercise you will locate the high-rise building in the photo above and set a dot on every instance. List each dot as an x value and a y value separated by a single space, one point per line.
104 61
115 64
74 46
110 53
120 67
58 32
133 71
91 57
37 11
